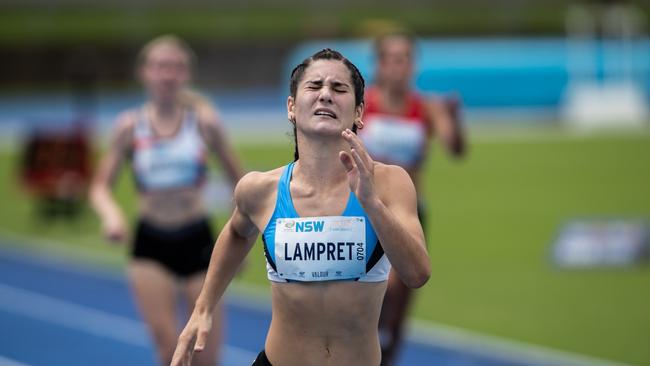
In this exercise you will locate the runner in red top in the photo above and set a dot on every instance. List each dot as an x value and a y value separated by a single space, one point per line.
397 132
399 124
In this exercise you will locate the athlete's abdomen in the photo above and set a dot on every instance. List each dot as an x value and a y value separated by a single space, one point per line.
172 208
325 323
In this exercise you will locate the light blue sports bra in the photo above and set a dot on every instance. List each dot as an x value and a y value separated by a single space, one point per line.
170 162
326 248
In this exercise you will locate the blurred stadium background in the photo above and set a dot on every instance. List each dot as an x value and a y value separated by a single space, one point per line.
556 107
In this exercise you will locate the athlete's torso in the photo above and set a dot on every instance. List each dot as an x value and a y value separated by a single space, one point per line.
324 248
322 321
395 137
169 171
167 163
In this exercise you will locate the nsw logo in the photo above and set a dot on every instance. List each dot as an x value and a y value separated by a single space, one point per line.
310 226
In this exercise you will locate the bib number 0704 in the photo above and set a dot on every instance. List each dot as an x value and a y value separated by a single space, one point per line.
360 253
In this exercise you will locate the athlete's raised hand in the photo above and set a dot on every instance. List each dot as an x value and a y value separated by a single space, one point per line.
360 168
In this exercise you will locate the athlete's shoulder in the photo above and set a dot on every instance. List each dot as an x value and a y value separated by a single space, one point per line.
259 181
123 128
391 178
389 170
207 115
208 121
255 187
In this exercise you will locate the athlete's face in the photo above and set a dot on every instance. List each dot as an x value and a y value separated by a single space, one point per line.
324 99
165 72
395 63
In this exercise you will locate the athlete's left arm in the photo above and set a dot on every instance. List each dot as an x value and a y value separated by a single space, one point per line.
388 196
215 138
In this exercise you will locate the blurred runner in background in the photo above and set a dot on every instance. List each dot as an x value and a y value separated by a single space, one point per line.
399 125
167 141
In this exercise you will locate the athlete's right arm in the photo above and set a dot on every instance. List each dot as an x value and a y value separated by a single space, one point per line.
233 244
101 198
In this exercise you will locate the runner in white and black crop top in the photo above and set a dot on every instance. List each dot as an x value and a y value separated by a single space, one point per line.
167 142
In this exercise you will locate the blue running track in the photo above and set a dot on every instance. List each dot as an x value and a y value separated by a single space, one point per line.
57 312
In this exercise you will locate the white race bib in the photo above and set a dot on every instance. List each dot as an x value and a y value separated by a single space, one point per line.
321 248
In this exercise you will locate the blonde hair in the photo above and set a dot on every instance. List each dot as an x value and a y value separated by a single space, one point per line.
187 97
195 100
165 40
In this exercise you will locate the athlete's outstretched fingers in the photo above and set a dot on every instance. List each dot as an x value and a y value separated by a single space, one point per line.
184 350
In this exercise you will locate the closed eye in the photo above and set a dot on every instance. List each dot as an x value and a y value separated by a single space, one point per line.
337 87
314 85
340 87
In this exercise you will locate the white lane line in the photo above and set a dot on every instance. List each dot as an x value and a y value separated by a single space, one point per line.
4 361
506 349
92 321
77 317
423 332
58 255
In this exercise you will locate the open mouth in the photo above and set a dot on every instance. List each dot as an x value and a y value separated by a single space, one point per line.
324 112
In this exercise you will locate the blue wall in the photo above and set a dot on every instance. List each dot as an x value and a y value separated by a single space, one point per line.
514 72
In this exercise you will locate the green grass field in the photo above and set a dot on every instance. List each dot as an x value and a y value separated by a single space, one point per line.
261 20
492 220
